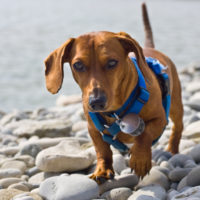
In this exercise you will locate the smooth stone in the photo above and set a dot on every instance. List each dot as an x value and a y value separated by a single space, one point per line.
174 185
164 170
130 181
195 153
117 194
8 194
179 160
158 153
167 165
194 105
185 143
27 159
83 133
142 197
154 191
64 100
126 171
78 126
193 178
9 151
68 157
119 163
10 172
191 193
44 128
32 171
192 131
19 186
171 193
155 177
178 173
37 178
182 184
193 87
27 196
32 150
5 182
67 187
16 164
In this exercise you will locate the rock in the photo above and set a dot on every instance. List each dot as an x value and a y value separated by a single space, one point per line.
179 160
27 196
178 173
155 177
37 178
171 194
32 171
45 128
19 186
193 178
64 100
68 157
191 193
182 184
159 155
9 151
154 191
192 131
10 172
31 149
8 194
117 194
119 163
66 187
14 164
78 126
130 181
163 170
126 171
5 182
194 153
193 87
185 143
27 159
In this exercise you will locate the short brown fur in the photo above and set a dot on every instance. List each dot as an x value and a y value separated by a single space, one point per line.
94 50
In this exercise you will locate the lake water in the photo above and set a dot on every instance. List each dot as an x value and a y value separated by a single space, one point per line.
31 29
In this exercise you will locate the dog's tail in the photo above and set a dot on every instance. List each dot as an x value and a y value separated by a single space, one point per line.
147 28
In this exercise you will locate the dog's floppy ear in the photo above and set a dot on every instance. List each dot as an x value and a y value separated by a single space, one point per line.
54 66
131 45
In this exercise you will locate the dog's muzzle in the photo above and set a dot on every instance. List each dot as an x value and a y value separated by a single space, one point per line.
97 100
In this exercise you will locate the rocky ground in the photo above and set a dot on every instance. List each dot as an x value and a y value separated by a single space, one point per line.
48 154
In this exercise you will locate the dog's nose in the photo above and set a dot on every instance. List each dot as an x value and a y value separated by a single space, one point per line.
97 100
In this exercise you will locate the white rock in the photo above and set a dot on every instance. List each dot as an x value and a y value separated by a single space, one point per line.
68 157
154 191
193 87
191 193
119 163
64 100
77 187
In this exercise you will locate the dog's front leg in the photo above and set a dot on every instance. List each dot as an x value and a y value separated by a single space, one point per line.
140 152
104 169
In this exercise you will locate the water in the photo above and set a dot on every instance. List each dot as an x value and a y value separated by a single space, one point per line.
31 29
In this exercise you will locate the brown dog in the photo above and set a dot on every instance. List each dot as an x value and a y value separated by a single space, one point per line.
101 66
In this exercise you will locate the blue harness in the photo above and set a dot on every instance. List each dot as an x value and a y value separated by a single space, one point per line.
134 104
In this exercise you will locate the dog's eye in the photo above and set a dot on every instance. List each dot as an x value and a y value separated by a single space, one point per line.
111 64
79 66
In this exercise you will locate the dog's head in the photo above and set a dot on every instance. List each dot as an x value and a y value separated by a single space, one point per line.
100 65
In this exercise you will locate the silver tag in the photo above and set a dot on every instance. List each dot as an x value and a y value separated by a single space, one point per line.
132 124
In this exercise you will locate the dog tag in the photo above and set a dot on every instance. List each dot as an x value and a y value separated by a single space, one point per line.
132 124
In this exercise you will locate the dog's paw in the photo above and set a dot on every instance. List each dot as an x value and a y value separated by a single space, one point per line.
140 163
102 174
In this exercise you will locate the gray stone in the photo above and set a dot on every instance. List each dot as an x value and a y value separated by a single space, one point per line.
185 144
171 194
37 178
154 191
117 194
155 177
178 173
182 183
194 153
32 171
129 181
31 149
179 160
10 172
68 157
45 128
190 194
66 187
126 171
193 87
193 178
119 163
78 126
192 131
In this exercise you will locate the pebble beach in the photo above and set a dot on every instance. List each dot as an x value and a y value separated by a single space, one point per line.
48 154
